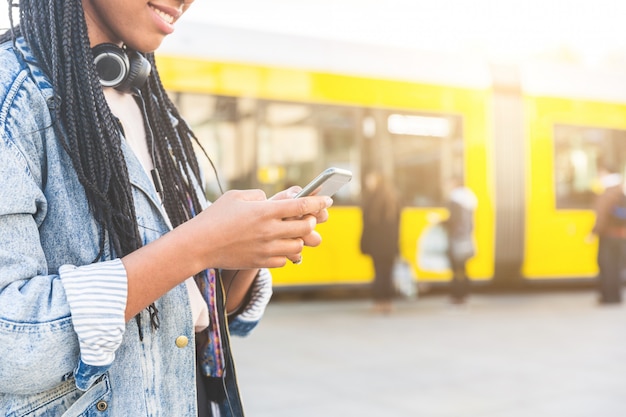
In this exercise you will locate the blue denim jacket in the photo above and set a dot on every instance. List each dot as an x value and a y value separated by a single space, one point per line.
45 223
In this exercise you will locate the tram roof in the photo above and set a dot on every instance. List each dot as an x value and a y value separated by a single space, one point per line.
202 40
561 80
241 45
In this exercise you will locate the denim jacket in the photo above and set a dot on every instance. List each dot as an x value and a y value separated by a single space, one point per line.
45 223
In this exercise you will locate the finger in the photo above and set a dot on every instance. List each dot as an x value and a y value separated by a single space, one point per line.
313 239
303 226
321 216
297 258
313 204
280 230
301 206
287 194
274 262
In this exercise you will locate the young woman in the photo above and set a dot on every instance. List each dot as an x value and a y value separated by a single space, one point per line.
115 274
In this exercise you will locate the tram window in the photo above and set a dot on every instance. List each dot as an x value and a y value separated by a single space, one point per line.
220 123
297 141
426 150
287 145
577 152
269 144
210 127
338 127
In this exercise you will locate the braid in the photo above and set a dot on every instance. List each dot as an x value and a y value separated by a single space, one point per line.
57 33
175 156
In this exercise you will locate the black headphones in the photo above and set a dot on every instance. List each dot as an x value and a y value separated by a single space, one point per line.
122 69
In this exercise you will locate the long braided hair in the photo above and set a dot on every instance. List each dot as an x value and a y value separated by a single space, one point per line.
56 32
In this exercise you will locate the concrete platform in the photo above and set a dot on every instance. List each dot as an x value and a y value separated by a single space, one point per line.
556 354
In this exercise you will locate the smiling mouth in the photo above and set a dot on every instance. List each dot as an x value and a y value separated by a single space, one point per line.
166 17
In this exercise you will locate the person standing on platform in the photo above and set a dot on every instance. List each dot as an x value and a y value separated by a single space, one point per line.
462 203
610 227
119 282
379 240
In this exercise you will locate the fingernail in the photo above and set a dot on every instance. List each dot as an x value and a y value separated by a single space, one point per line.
329 201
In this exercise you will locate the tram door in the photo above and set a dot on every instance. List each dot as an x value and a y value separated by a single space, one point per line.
420 152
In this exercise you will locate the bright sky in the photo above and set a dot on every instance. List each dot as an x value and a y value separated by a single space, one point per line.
503 29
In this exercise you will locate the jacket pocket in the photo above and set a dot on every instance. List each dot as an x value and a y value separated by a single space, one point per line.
94 402
65 400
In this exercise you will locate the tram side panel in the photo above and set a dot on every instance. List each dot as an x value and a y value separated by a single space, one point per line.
567 139
243 123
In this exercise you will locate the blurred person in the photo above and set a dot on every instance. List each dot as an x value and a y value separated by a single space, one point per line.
379 240
459 226
610 228
115 281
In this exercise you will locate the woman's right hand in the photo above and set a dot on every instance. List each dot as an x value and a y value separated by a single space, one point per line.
243 229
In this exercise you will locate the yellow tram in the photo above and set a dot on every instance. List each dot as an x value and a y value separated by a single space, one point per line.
273 111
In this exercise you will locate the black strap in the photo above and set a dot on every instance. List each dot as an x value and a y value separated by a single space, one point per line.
204 410
212 388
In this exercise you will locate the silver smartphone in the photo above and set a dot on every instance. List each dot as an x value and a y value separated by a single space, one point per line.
327 183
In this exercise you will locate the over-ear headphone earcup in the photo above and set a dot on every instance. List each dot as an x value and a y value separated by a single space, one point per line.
116 69
138 72
112 64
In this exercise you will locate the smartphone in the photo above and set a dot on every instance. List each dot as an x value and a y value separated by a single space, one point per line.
327 183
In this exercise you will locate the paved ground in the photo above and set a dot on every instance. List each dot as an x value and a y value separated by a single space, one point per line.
554 354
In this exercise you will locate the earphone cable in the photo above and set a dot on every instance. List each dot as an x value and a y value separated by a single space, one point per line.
154 172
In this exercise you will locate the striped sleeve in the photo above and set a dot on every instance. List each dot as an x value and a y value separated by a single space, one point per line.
97 295
261 293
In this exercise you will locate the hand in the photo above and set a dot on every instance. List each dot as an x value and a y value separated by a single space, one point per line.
243 229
